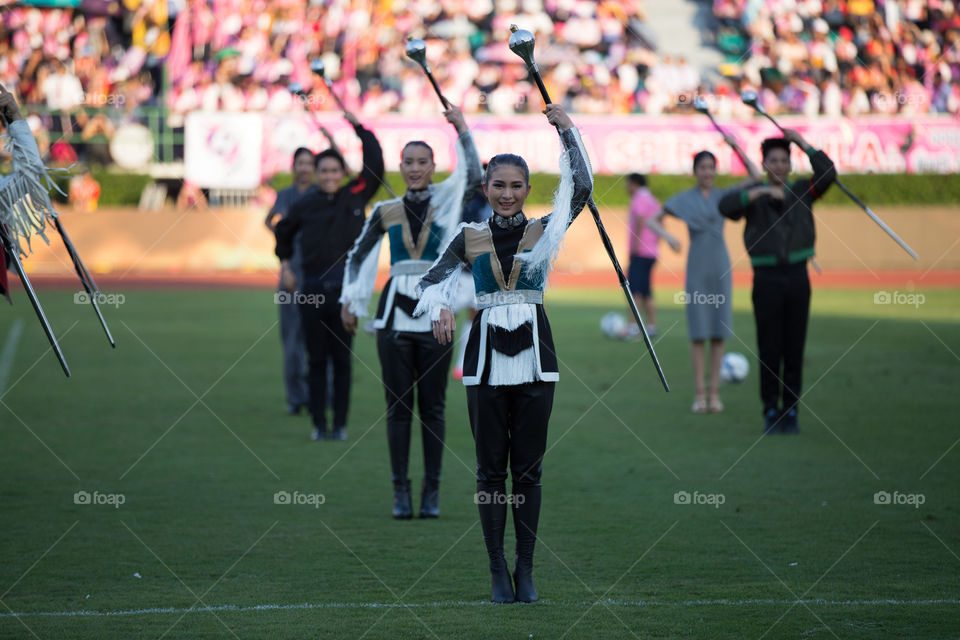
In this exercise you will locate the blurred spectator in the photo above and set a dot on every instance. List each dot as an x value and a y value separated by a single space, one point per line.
861 56
834 57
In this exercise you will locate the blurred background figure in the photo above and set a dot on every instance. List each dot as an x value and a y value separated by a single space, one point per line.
643 251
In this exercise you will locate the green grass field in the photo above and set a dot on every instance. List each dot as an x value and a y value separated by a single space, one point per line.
185 421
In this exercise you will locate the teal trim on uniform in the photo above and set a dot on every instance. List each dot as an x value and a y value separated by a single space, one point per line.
398 250
793 257
526 282
432 251
483 278
744 197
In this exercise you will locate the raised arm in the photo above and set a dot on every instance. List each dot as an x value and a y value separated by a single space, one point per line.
580 171
752 169
371 177
470 158
824 171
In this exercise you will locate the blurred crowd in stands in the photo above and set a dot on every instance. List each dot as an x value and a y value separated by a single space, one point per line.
831 57
844 58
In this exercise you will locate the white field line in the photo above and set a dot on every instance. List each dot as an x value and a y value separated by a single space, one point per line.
461 603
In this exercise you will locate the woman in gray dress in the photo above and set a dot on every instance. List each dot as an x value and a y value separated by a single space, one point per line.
707 294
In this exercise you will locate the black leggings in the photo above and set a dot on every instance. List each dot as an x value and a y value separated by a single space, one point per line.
509 426
411 359
781 307
326 339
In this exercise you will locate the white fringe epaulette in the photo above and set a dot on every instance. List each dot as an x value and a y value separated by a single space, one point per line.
548 246
25 207
356 293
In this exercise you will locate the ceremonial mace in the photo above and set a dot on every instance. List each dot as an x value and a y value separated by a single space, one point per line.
750 99
417 51
318 69
521 43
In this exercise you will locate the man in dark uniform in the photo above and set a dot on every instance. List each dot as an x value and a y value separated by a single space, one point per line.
329 217
779 236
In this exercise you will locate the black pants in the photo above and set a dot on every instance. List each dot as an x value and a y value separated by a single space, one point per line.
781 307
326 339
411 359
509 426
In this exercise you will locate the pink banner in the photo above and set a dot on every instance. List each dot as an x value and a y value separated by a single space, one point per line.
623 144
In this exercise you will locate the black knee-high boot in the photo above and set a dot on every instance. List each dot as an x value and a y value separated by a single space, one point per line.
398 439
526 516
492 504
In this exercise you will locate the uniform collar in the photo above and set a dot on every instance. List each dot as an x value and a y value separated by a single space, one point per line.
512 222
418 195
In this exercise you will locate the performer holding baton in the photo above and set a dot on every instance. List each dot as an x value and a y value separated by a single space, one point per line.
511 366
329 219
779 236
418 226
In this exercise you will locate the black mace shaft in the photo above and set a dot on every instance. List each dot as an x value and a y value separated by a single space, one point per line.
88 284
417 51
11 251
525 51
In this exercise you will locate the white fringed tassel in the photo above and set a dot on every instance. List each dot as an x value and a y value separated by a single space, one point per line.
25 206
356 292
547 248
439 296
518 369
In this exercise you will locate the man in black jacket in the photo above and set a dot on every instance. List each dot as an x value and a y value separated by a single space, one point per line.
779 236
329 218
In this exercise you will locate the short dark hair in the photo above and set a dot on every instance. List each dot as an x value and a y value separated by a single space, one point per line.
303 150
418 143
703 155
770 144
507 159
330 153
638 179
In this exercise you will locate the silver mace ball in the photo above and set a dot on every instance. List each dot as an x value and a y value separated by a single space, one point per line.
521 43
750 99
296 89
316 66
700 105
417 51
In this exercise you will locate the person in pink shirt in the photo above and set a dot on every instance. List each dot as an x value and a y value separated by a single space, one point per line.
643 249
